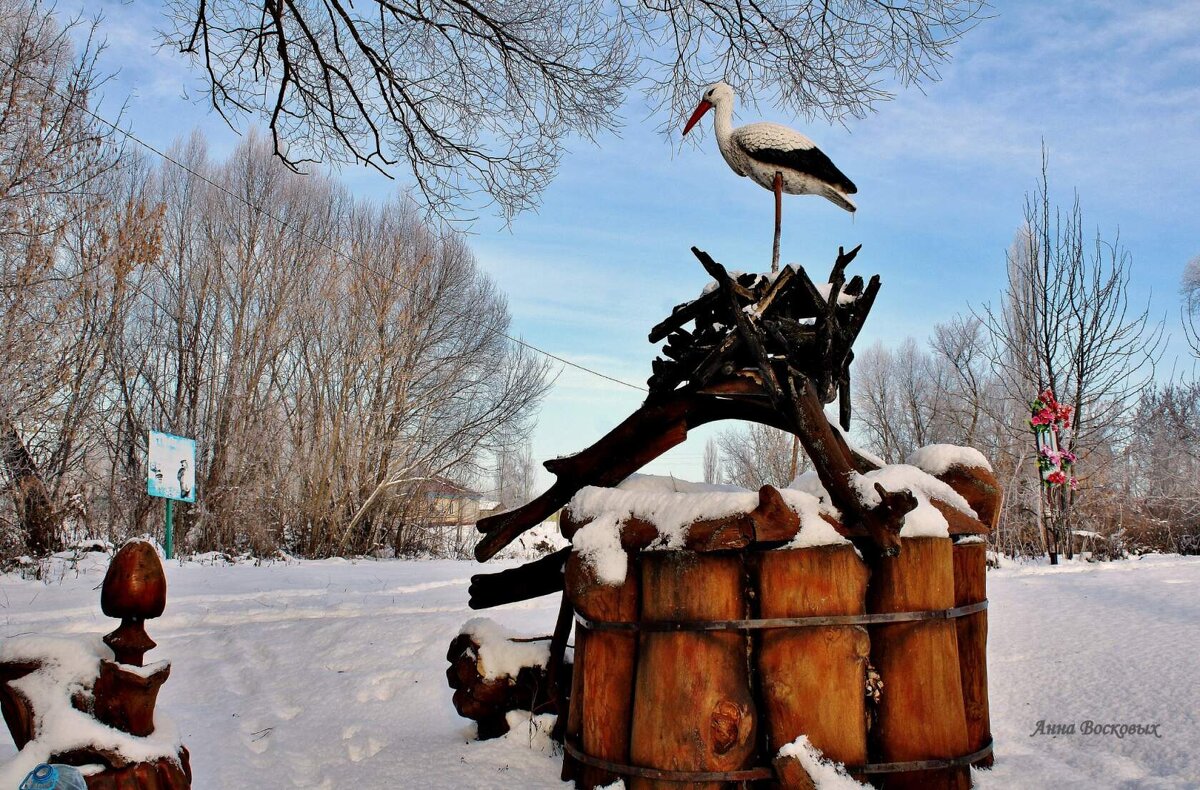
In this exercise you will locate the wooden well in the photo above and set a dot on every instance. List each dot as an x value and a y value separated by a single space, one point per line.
698 668
703 661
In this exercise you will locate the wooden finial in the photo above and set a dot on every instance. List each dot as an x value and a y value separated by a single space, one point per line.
134 589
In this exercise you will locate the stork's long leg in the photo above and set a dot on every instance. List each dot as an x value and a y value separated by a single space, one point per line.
778 220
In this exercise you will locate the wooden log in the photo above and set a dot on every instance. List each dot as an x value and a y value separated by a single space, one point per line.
921 714
487 701
970 586
718 534
531 580
790 774
958 522
605 692
553 697
693 709
16 707
981 490
573 731
813 679
771 520
166 773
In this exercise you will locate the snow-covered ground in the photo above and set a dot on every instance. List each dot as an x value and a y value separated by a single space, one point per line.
331 674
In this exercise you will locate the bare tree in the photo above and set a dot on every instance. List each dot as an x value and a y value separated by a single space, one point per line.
1159 505
516 476
1190 288
903 399
1065 323
712 461
59 207
754 455
474 96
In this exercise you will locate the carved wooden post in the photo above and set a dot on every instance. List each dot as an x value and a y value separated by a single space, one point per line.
124 694
135 589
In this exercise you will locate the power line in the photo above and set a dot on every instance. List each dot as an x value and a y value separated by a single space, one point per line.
285 224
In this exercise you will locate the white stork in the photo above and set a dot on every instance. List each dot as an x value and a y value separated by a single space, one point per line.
774 157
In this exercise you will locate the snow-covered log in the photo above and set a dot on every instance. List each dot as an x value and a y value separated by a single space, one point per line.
494 671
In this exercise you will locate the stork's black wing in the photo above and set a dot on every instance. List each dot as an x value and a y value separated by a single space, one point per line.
805 160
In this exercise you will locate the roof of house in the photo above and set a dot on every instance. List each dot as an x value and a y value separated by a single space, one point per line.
442 487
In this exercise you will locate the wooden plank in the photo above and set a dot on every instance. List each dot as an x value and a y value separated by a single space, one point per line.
970 586
920 714
606 688
812 679
692 710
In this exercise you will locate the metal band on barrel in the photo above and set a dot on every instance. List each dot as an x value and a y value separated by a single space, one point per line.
784 622
754 774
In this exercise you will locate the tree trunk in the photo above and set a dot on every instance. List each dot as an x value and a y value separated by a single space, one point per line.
35 513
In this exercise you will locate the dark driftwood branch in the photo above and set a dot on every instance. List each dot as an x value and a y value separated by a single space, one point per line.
798 401
532 580
786 358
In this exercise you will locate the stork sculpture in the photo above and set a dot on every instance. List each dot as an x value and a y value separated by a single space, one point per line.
774 157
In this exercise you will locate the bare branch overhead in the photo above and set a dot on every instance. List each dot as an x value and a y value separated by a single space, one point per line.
473 99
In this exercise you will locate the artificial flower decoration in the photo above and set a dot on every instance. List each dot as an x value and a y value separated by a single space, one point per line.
1047 418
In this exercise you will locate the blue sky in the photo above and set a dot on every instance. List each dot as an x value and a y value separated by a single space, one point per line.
1113 88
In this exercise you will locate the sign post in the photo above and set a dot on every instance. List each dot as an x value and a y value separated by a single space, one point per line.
171 475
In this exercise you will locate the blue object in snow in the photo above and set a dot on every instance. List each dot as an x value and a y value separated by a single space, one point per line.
54 777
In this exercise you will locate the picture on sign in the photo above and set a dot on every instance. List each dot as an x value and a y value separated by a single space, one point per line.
172 467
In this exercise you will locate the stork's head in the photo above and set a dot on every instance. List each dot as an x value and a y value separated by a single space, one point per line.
717 95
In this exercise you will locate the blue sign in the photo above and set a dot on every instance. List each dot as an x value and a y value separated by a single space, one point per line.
172 467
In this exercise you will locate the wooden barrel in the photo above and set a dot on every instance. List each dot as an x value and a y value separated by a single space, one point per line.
692 708
602 686
686 699
970 586
921 714
812 678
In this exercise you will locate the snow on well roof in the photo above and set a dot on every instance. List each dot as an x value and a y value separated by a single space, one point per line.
937 459
672 505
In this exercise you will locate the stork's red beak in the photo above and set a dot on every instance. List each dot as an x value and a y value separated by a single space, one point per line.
704 106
